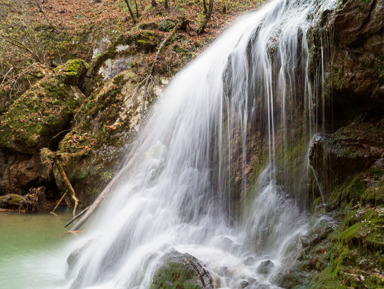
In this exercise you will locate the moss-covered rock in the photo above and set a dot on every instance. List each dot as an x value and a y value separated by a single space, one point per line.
181 271
148 26
41 112
33 202
36 119
72 72
105 123
355 254
11 201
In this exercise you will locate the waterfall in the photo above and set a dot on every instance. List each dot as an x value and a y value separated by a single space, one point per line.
214 171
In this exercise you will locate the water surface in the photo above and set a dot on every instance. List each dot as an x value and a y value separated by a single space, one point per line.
28 243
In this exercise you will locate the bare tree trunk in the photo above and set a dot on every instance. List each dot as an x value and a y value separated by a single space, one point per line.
205 7
137 9
154 3
166 4
206 19
58 203
130 11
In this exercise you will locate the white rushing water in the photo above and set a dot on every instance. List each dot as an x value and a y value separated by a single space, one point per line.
178 187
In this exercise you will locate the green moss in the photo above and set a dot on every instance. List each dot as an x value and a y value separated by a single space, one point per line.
348 193
72 71
147 40
356 250
373 195
39 113
11 201
175 276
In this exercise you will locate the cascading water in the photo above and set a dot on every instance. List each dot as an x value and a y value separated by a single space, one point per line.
187 182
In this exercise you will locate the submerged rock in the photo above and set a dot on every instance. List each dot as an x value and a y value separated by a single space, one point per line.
182 271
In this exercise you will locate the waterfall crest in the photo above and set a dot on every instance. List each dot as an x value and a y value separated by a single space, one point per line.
211 172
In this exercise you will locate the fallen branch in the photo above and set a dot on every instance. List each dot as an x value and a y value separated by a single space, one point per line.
5 76
68 183
102 196
76 217
47 158
58 203
22 46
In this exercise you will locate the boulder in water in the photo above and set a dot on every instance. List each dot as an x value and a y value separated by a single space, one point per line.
181 271
265 267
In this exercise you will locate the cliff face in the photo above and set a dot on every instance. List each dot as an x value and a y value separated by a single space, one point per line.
357 76
345 249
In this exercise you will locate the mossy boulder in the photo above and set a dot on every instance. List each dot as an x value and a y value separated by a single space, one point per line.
105 124
37 119
41 112
72 72
181 271
33 202
11 201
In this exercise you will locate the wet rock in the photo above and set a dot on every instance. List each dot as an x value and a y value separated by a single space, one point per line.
249 261
11 201
265 267
19 172
181 271
33 202
251 283
357 72
337 157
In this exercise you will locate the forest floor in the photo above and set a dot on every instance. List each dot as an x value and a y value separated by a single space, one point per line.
57 30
